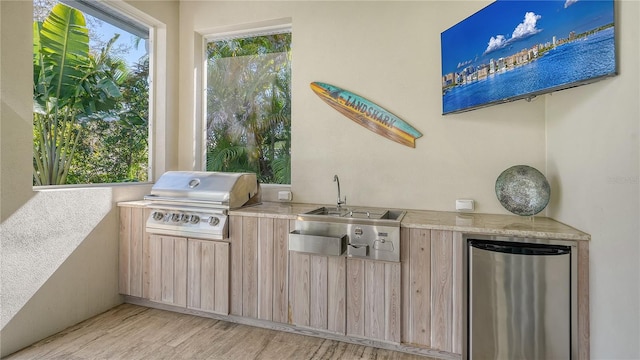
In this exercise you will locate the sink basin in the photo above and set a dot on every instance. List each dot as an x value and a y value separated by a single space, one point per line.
328 211
366 215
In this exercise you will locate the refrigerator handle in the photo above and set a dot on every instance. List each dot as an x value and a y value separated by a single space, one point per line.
520 248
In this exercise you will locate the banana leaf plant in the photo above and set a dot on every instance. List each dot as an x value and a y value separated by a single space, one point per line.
69 84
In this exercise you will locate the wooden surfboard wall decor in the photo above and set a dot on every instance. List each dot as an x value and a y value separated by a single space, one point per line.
367 114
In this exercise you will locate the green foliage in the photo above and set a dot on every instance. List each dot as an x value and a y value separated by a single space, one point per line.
90 111
230 157
117 148
64 47
61 57
249 106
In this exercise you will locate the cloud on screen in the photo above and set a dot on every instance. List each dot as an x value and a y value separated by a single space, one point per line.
569 3
525 29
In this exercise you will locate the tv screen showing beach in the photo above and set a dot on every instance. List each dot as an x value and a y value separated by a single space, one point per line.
517 49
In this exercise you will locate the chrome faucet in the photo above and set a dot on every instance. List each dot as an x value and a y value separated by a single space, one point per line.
340 202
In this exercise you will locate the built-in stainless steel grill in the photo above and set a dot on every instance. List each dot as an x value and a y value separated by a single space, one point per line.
196 203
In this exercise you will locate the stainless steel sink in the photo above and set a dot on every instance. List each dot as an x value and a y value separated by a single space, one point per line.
357 232
328 211
354 215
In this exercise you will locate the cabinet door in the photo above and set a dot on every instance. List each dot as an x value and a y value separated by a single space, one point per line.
280 279
273 256
259 267
432 288
235 237
317 291
168 269
208 276
373 299
132 241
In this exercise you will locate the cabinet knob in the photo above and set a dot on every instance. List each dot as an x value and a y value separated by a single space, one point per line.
157 215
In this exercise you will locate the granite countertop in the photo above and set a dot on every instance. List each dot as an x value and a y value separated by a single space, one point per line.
490 224
470 223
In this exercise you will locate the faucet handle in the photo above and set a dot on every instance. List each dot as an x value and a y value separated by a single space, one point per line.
342 202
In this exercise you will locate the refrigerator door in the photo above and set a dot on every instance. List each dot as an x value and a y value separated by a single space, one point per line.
519 301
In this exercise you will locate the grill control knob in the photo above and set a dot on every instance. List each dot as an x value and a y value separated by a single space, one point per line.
213 221
184 218
175 217
157 216
194 219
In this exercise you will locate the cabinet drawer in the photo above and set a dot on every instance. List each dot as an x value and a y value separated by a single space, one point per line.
302 241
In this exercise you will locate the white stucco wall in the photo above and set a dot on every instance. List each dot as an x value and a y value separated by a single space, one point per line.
594 169
59 248
388 52
15 108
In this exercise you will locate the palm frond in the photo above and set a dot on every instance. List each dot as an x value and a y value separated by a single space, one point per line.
64 40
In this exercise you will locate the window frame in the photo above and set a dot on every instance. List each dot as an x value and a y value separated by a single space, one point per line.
269 27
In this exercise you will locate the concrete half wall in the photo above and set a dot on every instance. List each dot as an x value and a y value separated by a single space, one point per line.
58 270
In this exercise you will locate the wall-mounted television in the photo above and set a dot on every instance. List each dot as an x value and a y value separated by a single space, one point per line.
518 49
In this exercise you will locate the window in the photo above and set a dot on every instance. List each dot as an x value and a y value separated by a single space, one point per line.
248 105
91 94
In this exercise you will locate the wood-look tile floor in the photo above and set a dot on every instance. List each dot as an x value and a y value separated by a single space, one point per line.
134 332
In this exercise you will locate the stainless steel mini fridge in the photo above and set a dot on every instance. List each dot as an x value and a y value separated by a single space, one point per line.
520 300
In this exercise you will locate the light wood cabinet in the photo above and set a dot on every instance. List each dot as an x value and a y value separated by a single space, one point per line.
208 276
191 273
168 270
373 299
417 302
259 267
354 297
132 260
432 288
317 291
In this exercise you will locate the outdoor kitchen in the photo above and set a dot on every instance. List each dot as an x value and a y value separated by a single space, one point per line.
211 247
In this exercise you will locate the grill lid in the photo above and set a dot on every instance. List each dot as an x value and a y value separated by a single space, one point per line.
228 190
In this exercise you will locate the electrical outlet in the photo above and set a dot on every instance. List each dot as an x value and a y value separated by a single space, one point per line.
284 195
465 205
